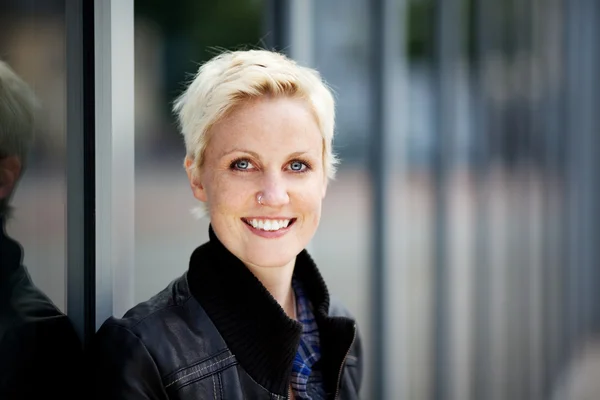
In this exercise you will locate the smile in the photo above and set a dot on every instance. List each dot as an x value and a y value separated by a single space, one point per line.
269 225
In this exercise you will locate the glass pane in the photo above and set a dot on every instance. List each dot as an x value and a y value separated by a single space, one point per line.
33 45
35 334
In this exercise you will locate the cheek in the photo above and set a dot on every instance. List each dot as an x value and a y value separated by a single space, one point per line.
227 195
312 200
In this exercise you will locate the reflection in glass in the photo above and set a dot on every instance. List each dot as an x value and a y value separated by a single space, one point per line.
38 345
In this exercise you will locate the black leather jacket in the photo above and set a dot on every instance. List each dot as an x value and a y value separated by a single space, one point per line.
216 333
41 355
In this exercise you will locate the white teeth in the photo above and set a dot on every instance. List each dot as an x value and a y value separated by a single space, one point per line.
269 225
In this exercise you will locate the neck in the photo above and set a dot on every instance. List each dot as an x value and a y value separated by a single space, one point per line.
278 281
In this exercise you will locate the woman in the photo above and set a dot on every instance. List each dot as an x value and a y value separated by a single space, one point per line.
251 318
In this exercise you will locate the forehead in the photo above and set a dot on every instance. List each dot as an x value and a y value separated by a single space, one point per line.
268 124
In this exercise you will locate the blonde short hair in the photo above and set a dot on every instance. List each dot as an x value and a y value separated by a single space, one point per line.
232 77
18 104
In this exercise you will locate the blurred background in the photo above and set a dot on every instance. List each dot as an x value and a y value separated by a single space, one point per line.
462 229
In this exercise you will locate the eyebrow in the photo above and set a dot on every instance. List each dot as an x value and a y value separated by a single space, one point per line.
255 155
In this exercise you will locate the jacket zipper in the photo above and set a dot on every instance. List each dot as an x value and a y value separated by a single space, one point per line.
337 386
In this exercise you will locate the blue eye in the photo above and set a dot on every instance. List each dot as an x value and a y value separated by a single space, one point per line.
297 166
241 164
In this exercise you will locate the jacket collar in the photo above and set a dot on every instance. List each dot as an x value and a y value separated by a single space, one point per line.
254 326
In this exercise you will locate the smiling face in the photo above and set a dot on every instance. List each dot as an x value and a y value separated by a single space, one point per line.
270 148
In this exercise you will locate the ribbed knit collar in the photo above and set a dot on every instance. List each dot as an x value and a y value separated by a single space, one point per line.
254 326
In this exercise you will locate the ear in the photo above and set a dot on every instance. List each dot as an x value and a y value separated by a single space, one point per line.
10 170
194 177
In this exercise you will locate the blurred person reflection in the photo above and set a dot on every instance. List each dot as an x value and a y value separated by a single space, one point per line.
40 352
252 317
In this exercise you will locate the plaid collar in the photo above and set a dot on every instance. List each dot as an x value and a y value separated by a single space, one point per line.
309 350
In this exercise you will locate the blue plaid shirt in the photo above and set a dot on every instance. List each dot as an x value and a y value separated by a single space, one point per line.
307 382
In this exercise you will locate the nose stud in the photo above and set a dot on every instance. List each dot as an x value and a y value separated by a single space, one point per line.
259 198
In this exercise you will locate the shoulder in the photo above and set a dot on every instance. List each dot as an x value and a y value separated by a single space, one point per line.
338 309
354 359
161 340
25 306
170 328
33 330
167 304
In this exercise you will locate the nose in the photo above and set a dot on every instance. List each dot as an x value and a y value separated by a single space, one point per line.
274 191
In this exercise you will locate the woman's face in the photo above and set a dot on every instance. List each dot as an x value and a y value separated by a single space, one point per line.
270 147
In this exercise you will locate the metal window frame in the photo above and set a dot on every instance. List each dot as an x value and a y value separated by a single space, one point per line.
114 162
80 247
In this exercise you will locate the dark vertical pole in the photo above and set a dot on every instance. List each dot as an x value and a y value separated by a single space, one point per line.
564 328
89 167
581 270
75 206
588 50
378 174
481 300
595 145
551 119
80 165
446 52
521 106
277 24
573 105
